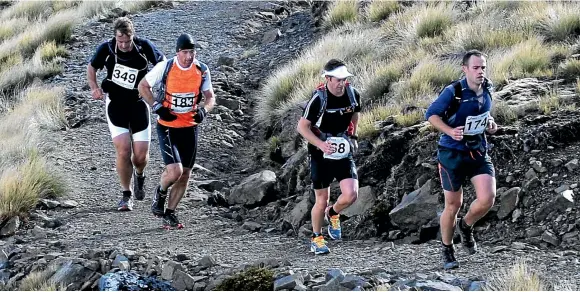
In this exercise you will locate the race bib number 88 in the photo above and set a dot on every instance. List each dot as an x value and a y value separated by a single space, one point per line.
475 125
124 76
341 148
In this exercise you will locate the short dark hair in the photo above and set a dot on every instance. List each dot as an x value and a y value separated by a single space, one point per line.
333 64
124 26
470 53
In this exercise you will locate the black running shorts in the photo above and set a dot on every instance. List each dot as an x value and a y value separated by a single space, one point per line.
324 171
455 166
178 145
129 117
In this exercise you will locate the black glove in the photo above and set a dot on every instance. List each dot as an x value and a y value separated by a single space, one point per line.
165 114
201 113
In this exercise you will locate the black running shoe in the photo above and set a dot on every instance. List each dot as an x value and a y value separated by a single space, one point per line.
467 239
158 205
448 256
139 186
170 221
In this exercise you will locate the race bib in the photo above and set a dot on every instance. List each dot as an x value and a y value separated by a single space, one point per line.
182 102
124 76
475 125
341 148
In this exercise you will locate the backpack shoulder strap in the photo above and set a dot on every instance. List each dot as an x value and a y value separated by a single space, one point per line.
455 101
162 84
321 92
351 95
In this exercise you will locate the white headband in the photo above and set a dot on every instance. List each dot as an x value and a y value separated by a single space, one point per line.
338 72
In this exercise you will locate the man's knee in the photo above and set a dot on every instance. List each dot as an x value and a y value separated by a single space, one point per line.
140 158
123 152
321 197
184 178
174 171
487 201
453 205
350 196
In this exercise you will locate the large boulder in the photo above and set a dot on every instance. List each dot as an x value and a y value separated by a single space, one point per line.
300 212
254 189
363 204
415 209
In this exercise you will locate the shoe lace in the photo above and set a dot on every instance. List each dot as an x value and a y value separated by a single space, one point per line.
335 221
319 241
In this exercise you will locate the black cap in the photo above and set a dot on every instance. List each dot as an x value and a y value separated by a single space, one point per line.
184 42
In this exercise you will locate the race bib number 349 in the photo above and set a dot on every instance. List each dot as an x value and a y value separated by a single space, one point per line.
475 125
124 76
341 148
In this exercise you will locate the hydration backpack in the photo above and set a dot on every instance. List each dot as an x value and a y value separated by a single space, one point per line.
163 86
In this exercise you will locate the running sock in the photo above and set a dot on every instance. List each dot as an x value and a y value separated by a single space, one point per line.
331 212
139 174
464 225
126 194
447 246
162 191
169 211
315 234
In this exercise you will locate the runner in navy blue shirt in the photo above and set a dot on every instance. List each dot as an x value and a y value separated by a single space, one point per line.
462 114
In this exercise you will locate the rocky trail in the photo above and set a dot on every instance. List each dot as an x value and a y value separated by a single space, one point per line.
217 241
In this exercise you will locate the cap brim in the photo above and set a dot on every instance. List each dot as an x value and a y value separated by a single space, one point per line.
339 72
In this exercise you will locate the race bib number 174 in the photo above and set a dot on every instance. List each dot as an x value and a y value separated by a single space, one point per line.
341 148
124 76
475 125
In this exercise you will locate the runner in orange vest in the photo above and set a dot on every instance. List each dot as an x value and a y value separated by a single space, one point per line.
182 81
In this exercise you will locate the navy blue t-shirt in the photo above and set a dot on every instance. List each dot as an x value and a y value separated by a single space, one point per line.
471 105
125 69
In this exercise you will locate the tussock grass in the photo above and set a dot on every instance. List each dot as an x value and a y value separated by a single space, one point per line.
341 12
40 280
548 103
25 177
22 186
562 22
428 76
135 6
273 144
570 69
519 277
528 59
434 20
381 78
30 9
250 53
11 27
47 106
368 119
50 50
58 5
503 113
470 36
410 119
91 9
10 61
21 74
381 9
57 28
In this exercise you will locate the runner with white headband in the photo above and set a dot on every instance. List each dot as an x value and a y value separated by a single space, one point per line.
329 124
